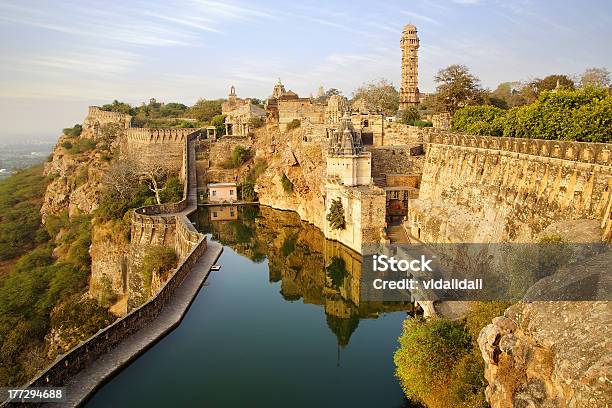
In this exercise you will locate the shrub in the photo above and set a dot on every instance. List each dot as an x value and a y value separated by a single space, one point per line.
158 260
257 170
172 191
238 157
428 352
422 123
256 122
479 120
408 116
21 197
66 145
439 361
248 191
289 245
581 115
74 131
287 184
336 215
294 124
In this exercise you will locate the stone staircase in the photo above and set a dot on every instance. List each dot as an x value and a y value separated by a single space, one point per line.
397 235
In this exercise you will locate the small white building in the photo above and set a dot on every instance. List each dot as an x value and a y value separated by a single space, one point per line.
222 192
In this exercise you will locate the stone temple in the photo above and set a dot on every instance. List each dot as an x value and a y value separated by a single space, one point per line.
409 89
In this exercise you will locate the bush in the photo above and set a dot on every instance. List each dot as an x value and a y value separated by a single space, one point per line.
172 191
422 123
428 352
66 145
248 191
256 122
408 116
239 156
21 196
157 260
582 115
257 170
336 215
74 131
287 184
294 124
439 361
479 120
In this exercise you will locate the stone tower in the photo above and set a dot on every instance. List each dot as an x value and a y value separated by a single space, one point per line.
409 89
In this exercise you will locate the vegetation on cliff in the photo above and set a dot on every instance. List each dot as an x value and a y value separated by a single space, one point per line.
335 217
163 115
20 200
439 362
238 157
40 281
582 115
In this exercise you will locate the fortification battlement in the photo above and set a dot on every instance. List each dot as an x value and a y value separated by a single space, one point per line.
105 116
150 135
596 153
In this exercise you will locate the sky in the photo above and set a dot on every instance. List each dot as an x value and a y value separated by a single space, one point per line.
58 57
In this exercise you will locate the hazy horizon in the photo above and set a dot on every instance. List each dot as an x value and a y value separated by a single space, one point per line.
58 58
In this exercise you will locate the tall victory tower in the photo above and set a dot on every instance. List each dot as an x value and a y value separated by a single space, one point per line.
409 89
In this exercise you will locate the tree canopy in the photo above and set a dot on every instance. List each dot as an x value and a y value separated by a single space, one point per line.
595 77
456 88
581 115
378 95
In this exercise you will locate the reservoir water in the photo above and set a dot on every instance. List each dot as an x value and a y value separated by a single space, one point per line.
281 324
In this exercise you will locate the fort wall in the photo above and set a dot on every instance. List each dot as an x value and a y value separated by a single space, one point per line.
102 117
494 189
158 146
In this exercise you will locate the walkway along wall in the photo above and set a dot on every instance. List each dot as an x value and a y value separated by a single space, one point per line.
148 223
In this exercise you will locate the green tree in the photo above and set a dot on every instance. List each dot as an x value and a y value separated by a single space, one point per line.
409 116
74 131
218 122
480 120
378 95
336 215
248 191
120 107
205 111
456 88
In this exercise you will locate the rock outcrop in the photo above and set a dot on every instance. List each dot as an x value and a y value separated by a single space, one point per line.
549 354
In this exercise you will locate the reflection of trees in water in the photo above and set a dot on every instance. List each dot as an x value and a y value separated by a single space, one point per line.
308 266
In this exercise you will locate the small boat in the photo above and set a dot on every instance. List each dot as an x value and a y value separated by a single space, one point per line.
215 267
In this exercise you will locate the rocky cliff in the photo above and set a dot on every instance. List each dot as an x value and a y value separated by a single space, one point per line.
549 354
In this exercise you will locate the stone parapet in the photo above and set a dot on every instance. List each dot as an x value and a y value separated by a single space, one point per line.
155 135
102 116
596 153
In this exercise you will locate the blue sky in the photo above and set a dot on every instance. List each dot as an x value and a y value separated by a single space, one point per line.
58 57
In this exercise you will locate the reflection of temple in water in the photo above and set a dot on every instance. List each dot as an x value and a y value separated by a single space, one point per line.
307 266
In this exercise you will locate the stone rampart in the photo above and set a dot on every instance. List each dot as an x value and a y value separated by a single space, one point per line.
101 117
85 353
494 189
596 153
163 147
151 225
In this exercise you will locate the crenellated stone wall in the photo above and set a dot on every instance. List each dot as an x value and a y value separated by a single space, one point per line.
158 146
97 117
491 189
